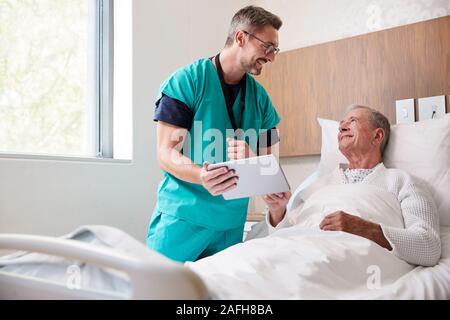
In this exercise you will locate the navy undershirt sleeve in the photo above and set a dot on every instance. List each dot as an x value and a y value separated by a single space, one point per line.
174 112
268 138
177 113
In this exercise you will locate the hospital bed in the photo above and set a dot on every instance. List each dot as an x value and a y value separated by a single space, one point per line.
154 277
264 268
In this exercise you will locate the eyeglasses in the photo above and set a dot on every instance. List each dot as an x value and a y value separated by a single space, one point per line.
270 48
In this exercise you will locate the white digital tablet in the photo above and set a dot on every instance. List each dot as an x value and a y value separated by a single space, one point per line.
257 176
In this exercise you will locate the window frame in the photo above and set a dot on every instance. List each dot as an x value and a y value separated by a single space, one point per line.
105 79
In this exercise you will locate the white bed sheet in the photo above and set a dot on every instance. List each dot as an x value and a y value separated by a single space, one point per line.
419 283
251 273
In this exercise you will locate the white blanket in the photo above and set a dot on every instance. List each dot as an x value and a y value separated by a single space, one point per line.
303 262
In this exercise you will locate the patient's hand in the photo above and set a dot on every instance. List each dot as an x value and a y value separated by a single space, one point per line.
342 221
238 149
277 203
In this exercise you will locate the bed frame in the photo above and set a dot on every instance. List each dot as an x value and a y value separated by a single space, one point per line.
151 277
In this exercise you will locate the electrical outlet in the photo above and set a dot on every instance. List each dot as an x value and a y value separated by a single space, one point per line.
405 110
431 107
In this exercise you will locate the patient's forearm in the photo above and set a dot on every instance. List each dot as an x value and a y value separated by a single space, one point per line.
342 221
375 233
371 231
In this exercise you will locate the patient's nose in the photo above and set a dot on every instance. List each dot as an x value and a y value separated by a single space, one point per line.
343 127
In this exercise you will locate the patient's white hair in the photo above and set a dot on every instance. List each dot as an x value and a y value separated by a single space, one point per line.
378 120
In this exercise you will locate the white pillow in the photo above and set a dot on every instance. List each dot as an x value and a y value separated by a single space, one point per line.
330 154
421 148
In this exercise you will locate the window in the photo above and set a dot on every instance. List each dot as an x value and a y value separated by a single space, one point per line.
56 77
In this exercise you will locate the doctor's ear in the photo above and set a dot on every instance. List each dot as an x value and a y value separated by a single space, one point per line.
239 38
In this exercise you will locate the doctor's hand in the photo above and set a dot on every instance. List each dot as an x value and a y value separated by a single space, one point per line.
238 149
218 181
277 203
342 221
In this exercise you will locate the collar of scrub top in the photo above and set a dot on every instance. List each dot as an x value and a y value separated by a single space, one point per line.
227 93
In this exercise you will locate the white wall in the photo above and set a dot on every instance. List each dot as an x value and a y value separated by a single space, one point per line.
54 197
309 22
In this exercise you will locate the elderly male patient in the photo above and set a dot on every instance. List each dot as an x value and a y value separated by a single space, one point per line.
363 136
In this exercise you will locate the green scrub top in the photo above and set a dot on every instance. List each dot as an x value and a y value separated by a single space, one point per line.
198 86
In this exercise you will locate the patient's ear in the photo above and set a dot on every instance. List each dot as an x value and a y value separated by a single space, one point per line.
379 136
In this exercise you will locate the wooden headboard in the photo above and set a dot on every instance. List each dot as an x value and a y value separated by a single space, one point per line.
375 69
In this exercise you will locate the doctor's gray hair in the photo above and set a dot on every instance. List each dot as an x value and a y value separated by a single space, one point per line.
251 19
378 120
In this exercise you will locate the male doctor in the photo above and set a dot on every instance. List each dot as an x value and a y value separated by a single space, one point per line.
206 112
